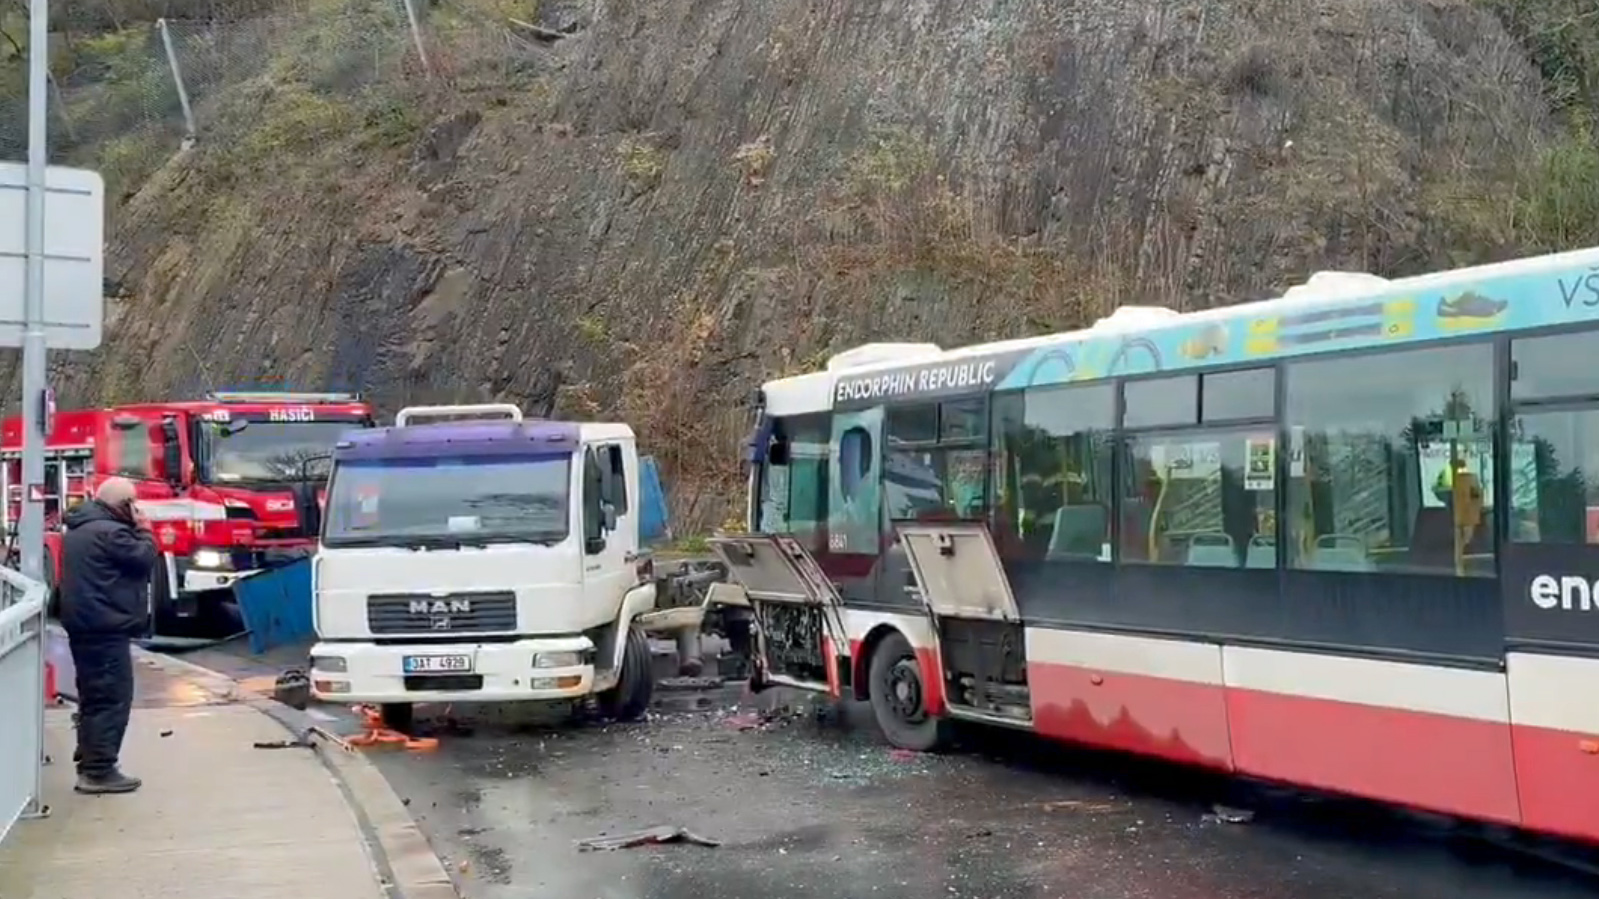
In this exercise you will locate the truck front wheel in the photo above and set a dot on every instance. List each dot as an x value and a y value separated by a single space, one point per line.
630 698
398 716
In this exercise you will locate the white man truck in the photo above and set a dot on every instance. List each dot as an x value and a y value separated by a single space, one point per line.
467 555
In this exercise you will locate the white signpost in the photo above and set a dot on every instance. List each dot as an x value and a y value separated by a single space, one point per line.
52 237
74 256
70 308
52 233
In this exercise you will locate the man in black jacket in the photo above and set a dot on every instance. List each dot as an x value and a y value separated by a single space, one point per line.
107 554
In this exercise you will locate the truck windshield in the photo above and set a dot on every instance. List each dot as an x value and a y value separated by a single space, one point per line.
448 501
273 451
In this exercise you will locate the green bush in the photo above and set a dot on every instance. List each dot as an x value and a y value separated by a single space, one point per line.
1562 37
1558 197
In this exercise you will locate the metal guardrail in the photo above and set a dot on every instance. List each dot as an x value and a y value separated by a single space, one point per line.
22 652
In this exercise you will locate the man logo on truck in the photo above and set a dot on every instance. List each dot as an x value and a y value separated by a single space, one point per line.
441 607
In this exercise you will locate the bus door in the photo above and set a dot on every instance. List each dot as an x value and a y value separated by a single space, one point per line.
799 623
976 624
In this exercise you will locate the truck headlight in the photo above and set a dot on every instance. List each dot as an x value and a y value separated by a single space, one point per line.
557 659
209 558
330 664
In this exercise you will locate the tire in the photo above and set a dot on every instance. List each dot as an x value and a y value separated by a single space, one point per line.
398 716
630 698
898 697
163 611
217 615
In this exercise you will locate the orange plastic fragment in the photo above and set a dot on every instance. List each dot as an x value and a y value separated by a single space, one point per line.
376 733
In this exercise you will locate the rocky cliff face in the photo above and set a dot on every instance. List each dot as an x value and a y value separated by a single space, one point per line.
676 199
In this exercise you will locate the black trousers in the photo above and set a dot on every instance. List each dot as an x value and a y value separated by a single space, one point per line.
105 700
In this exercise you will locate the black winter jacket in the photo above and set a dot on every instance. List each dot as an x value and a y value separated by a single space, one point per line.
105 573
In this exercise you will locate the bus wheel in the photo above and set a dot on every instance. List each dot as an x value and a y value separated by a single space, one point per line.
899 697
630 698
398 716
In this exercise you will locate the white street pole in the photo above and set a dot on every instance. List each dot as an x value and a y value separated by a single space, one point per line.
33 344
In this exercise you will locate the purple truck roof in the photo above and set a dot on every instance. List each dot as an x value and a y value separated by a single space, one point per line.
476 438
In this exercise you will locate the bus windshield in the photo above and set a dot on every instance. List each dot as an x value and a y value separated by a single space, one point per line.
449 501
267 451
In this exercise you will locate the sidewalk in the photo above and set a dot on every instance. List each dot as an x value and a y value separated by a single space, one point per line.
216 818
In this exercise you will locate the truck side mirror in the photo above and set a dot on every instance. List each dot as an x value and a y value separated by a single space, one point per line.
171 451
307 511
608 516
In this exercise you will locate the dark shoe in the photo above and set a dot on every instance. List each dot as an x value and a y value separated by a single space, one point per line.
115 782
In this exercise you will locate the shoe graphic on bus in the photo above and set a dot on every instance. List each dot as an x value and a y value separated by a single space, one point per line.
1470 308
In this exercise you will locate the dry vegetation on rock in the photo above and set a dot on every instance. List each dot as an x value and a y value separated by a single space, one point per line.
642 209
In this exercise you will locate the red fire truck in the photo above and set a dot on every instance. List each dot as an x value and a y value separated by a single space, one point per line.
214 476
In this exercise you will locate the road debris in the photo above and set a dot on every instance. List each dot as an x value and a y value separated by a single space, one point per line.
652 836
283 744
293 689
376 733
1223 814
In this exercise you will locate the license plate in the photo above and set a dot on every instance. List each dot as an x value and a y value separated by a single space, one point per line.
453 664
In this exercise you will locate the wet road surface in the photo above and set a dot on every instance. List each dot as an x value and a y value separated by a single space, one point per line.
812 805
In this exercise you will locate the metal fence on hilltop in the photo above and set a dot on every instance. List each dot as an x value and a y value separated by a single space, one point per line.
125 101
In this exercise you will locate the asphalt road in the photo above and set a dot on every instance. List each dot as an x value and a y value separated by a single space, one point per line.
811 805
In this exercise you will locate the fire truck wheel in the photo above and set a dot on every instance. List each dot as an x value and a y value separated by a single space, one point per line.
630 698
161 599
398 716
898 696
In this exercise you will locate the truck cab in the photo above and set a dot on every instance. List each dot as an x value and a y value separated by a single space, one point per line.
469 555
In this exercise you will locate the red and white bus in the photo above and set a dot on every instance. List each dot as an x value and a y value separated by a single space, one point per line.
1346 539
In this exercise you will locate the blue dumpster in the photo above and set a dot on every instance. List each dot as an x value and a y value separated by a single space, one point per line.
276 605
652 516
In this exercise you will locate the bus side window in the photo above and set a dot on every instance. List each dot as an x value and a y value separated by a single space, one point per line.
805 496
1201 495
1385 436
1554 439
1052 472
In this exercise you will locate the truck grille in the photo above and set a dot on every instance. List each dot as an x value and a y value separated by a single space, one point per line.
455 613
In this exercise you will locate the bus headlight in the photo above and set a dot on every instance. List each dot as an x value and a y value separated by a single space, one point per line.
209 558
557 659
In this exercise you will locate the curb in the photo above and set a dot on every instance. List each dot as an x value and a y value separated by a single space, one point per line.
402 859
